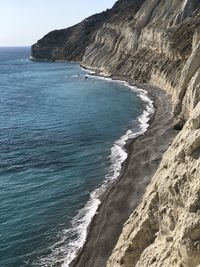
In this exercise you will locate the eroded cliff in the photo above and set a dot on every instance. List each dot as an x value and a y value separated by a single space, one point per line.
151 45
165 229
155 42
71 43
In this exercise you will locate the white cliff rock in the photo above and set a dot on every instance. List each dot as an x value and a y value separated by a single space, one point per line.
165 229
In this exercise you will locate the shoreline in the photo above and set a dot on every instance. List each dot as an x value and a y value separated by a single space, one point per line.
104 188
119 157
101 239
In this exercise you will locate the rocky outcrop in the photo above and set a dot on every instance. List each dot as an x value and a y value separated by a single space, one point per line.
155 42
188 93
165 229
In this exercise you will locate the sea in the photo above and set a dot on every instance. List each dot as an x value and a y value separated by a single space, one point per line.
62 142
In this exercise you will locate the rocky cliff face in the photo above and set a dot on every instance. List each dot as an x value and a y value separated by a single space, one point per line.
165 229
151 45
71 43
155 42
68 44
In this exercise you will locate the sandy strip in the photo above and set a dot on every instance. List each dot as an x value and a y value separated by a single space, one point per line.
144 155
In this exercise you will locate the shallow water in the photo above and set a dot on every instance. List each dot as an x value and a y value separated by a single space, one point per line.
60 140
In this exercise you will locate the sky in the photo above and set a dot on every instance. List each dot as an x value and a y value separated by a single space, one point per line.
23 22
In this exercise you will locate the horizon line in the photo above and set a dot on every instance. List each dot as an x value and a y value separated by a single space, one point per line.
15 45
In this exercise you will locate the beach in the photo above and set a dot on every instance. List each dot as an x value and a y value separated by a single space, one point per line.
121 198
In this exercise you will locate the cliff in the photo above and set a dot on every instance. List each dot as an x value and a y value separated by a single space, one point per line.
165 229
147 41
151 46
71 43
155 42
68 44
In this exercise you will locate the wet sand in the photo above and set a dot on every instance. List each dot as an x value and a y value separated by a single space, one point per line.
119 201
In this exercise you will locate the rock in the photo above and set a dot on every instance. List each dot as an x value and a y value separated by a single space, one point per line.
177 217
178 124
68 44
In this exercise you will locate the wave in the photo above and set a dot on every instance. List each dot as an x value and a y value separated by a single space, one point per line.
73 239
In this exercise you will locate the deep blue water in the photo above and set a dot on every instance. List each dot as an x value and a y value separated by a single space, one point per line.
56 133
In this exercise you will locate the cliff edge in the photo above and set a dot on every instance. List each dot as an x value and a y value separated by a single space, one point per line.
156 42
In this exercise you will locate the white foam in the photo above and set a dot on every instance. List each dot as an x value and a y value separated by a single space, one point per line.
80 224
88 71
74 238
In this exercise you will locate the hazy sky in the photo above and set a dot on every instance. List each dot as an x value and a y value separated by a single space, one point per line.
23 22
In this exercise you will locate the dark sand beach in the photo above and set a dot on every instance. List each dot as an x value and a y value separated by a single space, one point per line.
119 201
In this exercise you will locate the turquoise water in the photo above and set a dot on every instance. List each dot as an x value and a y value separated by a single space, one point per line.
60 140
